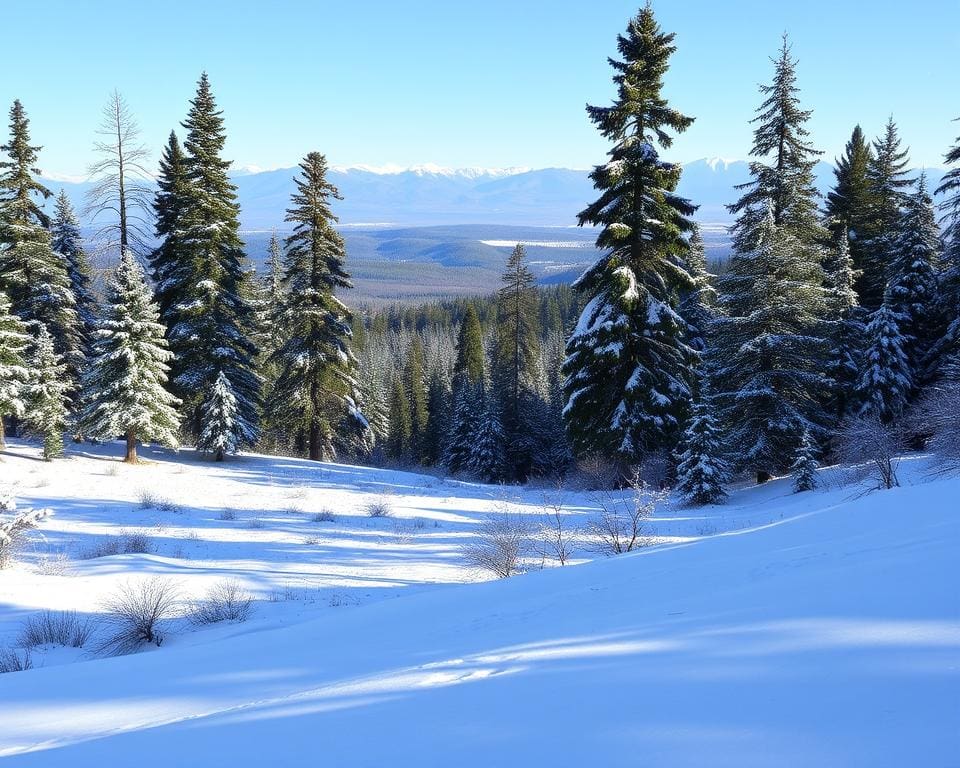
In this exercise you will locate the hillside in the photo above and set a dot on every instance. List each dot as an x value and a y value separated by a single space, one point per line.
780 629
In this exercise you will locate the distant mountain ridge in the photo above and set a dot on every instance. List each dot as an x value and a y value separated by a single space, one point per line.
430 195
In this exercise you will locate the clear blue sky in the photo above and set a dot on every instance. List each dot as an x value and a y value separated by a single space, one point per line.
493 83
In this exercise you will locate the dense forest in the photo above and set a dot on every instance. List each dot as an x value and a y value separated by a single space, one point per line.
835 325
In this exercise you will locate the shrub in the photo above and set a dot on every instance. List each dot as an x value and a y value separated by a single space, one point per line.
227 514
153 500
324 516
55 628
126 543
553 533
620 526
501 543
15 526
12 661
225 601
873 448
255 523
134 615
379 508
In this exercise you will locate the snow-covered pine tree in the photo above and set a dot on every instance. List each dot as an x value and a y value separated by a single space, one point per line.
697 305
848 204
914 282
438 415
401 429
628 368
947 349
415 382
468 383
770 360
218 421
125 390
47 395
805 465
169 263
885 380
887 178
702 468
782 182
845 328
487 457
67 240
32 274
316 365
14 374
215 318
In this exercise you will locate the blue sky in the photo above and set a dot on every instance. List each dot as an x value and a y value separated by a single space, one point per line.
495 83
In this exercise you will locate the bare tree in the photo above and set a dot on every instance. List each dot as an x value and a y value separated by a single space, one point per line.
500 544
621 525
121 195
937 418
873 448
554 534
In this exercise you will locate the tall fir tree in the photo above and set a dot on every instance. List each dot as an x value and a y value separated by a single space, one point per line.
946 353
316 380
885 378
470 357
219 434
914 284
169 262
125 391
216 316
14 373
48 395
468 392
770 356
782 181
21 213
845 327
438 415
887 178
849 204
698 305
628 368
401 428
415 383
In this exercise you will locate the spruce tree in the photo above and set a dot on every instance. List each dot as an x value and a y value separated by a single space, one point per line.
848 204
219 433
14 374
47 395
470 347
438 416
697 305
487 458
20 213
216 317
316 365
467 395
414 378
628 368
947 351
401 429
885 378
783 182
887 177
169 262
125 391
702 469
913 288
770 357
805 465
845 327
67 241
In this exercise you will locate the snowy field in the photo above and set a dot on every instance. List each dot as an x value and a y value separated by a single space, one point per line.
779 629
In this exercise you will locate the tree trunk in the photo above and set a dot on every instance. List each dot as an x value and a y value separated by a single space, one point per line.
219 455
131 457
762 476
314 440
3 442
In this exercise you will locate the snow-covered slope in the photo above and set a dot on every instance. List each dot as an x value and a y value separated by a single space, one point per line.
810 629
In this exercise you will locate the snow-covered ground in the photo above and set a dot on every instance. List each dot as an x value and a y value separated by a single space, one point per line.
780 629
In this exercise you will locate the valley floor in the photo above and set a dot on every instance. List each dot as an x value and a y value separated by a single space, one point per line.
780 629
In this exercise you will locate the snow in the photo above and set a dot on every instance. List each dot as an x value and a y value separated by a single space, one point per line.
820 628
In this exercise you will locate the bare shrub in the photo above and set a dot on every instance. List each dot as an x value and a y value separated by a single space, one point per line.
126 543
255 523
65 628
14 527
152 500
379 508
501 542
553 532
225 601
227 514
13 661
135 613
620 526
595 473
324 516
937 417
53 564
872 448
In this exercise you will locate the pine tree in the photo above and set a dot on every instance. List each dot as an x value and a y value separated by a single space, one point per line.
848 204
702 469
14 374
438 416
67 241
913 288
470 347
628 367
487 457
316 380
47 397
885 380
415 384
846 326
467 405
125 390
169 262
218 433
770 358
947 351
34 277
784 185
805 465
215 315
886 175
401 429
697 305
